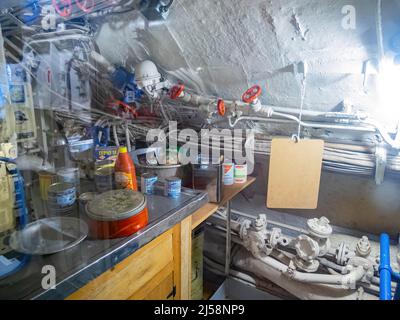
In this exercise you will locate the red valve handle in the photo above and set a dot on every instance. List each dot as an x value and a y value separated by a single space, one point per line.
221 107
251 94
66 6
124 106
176 91
86 5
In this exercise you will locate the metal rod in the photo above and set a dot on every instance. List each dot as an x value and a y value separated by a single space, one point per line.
228 239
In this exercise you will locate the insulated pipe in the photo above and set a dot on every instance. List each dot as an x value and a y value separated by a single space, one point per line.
271 110
385 269
347 280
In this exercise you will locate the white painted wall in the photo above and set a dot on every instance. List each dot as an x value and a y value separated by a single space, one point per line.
226 46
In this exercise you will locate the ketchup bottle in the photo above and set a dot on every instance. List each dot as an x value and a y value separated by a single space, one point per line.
125 174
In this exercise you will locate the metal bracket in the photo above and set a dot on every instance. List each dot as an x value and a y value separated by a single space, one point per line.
380 163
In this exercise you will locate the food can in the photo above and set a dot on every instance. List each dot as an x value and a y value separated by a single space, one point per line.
61 197
229 177
240 173
69 175
148 181
104 179
172 187
84 198
116 214
46 179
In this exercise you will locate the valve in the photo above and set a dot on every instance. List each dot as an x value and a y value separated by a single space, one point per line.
251 94
307 251
85 5
221 107
122 109
63 7
177 91
363 247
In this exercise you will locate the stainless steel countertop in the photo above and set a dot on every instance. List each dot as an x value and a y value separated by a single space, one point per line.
77 266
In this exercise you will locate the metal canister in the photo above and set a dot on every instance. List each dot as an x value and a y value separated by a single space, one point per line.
61 198
69 175
148 181
117 213
172 187
84 198
46 179
104 178
229 170
240 173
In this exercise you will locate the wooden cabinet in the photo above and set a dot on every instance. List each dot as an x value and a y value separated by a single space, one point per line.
159 270
154 272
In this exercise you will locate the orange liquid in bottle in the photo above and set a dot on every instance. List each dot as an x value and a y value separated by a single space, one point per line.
125 173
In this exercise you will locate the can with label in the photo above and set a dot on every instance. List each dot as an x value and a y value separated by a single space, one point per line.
240 173
46 179
104 179
229 170
61 198
69 175
172 187
148 181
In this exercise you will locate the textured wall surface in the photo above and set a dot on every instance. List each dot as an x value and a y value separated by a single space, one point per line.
223 47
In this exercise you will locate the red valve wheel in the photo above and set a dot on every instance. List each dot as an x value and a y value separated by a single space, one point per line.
251 94
85 5
221 107
116 106
63 7
176 91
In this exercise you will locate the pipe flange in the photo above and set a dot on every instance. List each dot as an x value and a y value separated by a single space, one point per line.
320 227
306 248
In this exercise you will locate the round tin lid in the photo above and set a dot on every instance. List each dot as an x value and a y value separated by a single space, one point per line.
60 187
116 205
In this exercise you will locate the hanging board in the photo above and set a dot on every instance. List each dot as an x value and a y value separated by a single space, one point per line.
294 173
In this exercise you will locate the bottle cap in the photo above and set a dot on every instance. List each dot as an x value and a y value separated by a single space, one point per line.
123 149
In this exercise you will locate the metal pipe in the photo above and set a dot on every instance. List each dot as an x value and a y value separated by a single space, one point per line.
385 273
228 238
349 279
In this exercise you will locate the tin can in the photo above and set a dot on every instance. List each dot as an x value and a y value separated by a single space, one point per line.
116 214
148 181
46 179
69 175
84 198
229 170
172 187
240 173
104 178
61 198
